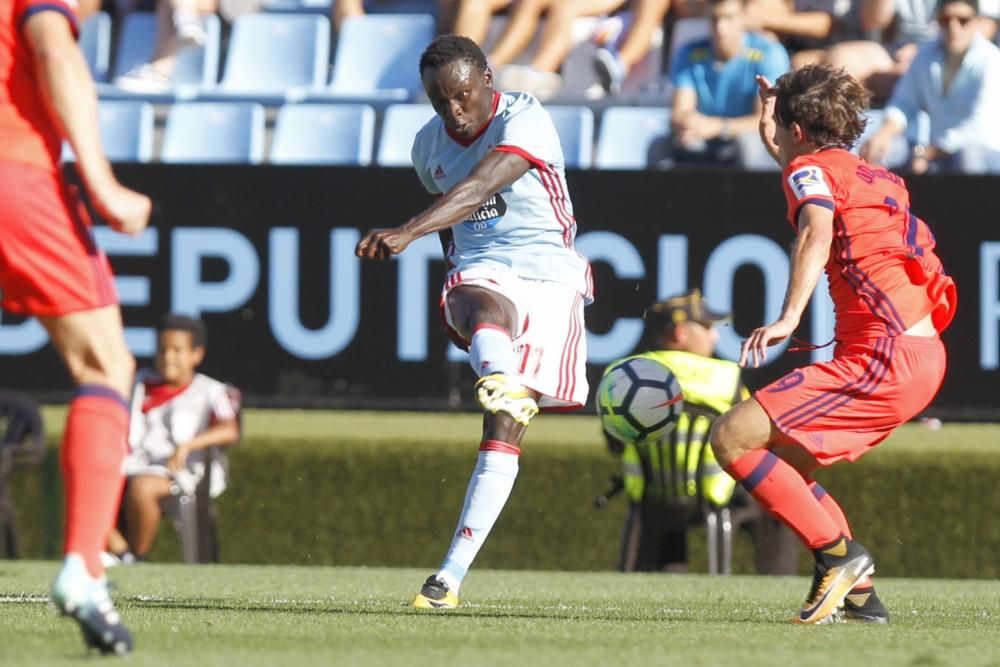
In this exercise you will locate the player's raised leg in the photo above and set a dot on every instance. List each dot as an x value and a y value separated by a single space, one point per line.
488 320
748 444
93 347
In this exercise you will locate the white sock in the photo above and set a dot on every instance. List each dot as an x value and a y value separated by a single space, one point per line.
489 488
491 351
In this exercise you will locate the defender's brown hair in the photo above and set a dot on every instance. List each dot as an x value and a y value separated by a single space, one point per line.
827 103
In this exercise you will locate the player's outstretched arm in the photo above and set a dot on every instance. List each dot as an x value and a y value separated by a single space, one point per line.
809 256
495 171
69 93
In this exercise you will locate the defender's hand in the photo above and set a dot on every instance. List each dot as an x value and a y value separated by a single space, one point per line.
125 211
755 347
383 243
767 126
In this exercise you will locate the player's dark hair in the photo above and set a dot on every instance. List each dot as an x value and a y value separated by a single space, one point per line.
447 49
192 325
827 103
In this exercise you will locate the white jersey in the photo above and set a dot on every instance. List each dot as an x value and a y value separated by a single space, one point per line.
526 228
162 421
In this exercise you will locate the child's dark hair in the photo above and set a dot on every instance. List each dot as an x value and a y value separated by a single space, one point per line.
449 48
192 325
827 103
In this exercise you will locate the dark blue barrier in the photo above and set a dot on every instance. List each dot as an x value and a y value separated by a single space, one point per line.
250 248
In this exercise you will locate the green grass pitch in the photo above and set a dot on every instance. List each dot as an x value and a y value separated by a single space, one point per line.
292 616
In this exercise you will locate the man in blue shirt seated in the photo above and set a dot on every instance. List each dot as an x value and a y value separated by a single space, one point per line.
956 80
716 106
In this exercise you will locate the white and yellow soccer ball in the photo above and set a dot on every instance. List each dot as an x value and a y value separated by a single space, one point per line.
639 400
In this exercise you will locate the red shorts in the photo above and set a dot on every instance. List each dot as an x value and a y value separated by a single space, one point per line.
49 262
841 408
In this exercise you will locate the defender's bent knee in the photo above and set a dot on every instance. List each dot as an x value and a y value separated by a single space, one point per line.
744 428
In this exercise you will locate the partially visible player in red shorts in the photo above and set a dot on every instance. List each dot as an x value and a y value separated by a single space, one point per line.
50 268
891 298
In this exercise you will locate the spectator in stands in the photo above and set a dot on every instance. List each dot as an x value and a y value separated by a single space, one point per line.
897 26
472 17
663 480
617 56
956 80
716 106
806 27
344 9
541 77
177 415
178 24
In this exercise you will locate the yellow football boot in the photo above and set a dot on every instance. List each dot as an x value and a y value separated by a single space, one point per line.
434 594
499 393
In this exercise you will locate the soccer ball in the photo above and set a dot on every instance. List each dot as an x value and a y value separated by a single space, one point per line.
639 400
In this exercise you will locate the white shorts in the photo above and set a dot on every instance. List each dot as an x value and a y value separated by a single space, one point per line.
550 342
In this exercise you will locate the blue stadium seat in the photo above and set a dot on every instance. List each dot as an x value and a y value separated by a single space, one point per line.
214 132
575 126
378 56
197 66
126 130
399 126
323 7
95 42
277 55
324 134
628 134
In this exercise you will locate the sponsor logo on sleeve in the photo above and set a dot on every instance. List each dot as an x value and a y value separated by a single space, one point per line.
809 182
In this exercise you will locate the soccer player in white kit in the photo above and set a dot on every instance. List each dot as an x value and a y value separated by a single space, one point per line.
516 288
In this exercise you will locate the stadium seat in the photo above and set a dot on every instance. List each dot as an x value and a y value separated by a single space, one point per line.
199 132
399 126
323 7
324 134
378 56
95 42
126 130
197 66
277 56
628 136
575 126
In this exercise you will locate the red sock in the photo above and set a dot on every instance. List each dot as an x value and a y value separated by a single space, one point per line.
836 513
780 489
832 508
92 452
